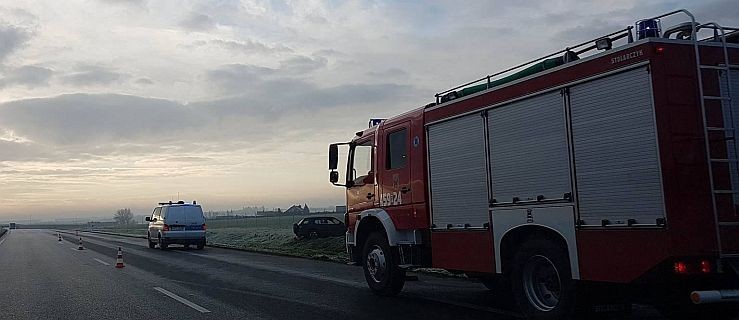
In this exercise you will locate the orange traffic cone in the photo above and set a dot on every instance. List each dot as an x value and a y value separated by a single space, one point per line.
80 247
60 236
119 259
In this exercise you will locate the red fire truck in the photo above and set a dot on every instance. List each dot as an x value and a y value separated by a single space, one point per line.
608 169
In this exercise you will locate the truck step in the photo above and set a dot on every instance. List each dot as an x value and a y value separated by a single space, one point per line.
726 191
716 98
719 129
703 66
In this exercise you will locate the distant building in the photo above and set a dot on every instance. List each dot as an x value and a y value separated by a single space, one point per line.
340 209
298 209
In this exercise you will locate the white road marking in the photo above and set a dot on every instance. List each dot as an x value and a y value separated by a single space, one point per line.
1 241
101 261
182 300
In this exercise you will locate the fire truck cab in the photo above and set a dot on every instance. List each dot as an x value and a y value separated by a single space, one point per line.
610 165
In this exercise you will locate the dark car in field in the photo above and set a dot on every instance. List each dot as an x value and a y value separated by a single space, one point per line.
316 227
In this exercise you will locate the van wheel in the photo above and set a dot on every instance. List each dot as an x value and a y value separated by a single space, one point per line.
162 243
151 243
542 282
380 265
201 245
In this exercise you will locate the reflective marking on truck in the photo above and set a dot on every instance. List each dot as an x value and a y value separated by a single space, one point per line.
391 199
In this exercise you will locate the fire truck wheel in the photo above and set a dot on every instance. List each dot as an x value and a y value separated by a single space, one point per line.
381 270
542 282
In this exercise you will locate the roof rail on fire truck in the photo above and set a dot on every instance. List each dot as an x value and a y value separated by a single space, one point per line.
645 28
601 43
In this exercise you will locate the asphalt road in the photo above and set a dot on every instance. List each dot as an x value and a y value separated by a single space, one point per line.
47 279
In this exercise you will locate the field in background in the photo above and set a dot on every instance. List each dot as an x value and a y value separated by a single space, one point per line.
273 234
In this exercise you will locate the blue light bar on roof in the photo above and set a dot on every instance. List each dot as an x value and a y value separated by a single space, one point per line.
374 122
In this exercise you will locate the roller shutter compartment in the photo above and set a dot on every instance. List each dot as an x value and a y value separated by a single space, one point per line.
529 157
615 149
457 172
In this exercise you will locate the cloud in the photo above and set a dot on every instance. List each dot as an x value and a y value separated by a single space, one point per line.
303 64
388 73
197 22
90 75
144 81
721 11
235 77
137 3
244 46
11 39
28 76
82 119
101 124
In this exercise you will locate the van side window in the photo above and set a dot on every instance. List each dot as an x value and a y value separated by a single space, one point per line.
397 152
163 214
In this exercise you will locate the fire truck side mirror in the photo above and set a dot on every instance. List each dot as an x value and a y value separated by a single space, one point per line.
334 177
333 159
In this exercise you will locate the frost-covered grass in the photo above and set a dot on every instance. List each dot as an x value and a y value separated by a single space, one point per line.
263 234
278 241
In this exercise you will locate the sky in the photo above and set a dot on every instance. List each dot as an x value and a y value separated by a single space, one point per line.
106 104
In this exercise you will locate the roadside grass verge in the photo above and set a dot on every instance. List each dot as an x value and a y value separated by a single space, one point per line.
279 242
261 234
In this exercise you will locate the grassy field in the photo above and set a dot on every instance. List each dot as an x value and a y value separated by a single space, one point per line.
264 234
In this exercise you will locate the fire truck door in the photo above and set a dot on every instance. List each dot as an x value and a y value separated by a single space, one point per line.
395 166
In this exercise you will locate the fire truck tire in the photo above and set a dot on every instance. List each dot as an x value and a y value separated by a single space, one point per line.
541 281
380 264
